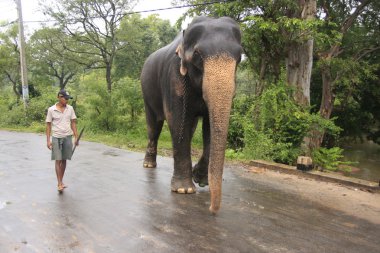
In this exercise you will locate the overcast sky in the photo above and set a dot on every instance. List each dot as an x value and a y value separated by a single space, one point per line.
31 13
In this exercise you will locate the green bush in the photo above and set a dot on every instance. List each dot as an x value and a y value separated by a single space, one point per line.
15 116
38 107
272 126
233 155
329 159
14 112
119 110
241 105
12 109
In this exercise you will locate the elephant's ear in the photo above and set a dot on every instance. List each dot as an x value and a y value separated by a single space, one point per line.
179 52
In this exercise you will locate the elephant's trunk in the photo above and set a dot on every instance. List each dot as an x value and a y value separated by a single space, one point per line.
218 92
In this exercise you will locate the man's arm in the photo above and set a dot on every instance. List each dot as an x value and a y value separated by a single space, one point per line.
48 133
75 131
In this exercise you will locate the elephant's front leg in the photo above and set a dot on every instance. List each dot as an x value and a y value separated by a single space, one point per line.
182 177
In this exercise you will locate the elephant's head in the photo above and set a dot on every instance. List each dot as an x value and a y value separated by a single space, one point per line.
209 52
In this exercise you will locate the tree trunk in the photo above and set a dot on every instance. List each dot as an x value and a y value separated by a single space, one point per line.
327 104
300 58
261 83
14 85
108 77
299 65
61 82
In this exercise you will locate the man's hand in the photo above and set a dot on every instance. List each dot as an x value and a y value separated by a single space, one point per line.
49 145
76 142
48 131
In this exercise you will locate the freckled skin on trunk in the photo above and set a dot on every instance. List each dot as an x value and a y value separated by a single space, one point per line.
218 92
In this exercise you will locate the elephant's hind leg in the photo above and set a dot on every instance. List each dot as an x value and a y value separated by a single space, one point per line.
150 155
200 170
154 130
200 173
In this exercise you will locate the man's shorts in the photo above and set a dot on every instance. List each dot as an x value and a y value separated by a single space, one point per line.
62 148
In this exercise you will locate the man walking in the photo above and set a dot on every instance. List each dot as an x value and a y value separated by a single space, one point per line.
60 126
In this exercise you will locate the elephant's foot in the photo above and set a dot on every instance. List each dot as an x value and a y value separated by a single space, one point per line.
150 160
183 185
200 175
149 164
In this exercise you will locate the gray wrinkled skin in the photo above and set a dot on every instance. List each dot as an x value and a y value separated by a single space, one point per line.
192 78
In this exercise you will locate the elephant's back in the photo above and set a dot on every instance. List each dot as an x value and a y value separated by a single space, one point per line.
162 57
155 75
158 63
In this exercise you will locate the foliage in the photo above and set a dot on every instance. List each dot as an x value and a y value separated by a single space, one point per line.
234 155
9 60
351 65
346 47
93 23
276 125
111 111
329 159
62 53
138 38
54 57
129 100
15 113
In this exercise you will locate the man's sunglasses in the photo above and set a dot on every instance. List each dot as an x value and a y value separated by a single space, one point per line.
63 97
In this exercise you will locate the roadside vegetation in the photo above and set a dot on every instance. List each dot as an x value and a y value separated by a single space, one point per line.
309 78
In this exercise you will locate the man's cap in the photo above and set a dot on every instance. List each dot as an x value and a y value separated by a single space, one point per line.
65 94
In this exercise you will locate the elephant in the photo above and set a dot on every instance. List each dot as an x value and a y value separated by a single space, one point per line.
191 78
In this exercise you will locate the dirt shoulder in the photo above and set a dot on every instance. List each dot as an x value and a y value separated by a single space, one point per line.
351 200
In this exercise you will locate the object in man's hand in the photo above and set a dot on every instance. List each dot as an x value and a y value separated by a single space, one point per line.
80 135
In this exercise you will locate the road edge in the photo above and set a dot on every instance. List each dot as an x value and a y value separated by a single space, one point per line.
319 175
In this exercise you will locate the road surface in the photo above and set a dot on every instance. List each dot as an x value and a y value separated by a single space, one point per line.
113 204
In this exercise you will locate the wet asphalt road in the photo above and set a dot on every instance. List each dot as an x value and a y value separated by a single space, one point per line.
113 204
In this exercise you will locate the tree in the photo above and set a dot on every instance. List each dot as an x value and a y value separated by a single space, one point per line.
93 22
9 59
138 38
52 56
299 60
342 61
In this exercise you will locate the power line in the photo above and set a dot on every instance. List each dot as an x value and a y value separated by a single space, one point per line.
180 7
135 12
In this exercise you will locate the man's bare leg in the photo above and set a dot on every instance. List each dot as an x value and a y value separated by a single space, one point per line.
60 167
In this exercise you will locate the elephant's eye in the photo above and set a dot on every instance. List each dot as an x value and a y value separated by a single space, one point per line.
197 60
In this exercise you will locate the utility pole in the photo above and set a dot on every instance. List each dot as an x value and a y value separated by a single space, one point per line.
24 75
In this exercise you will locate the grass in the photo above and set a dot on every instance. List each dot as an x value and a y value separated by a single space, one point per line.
134 139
